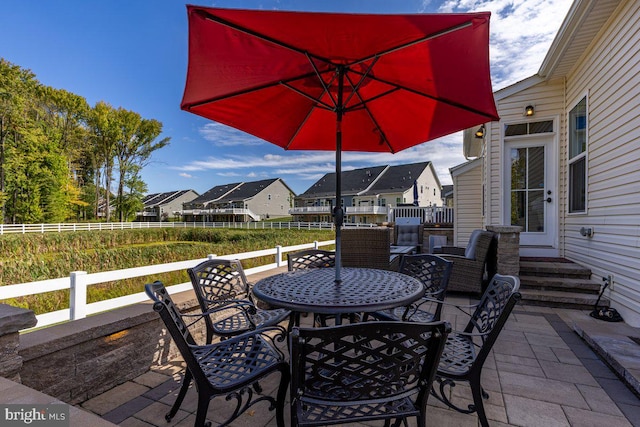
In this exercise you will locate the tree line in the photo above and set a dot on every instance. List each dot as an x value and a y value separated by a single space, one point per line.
60 157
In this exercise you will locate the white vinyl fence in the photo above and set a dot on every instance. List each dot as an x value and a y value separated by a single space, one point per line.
99 226
78 282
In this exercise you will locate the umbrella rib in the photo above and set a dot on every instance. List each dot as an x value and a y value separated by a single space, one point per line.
362 78
322 82
206 15
414 42
426 95
293 137
243 92
362 102
383 136
309 97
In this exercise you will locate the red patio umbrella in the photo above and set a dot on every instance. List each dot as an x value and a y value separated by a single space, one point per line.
343 82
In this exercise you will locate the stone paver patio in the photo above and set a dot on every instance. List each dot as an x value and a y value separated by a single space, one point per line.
541 373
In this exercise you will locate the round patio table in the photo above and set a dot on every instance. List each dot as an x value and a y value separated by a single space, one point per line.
361 290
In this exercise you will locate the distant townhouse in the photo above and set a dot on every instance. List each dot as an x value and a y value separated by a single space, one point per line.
369 193
241 202
164 206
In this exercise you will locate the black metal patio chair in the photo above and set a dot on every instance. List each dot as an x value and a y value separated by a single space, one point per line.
229 368
363 371
223 293
433 271
310 258
466 351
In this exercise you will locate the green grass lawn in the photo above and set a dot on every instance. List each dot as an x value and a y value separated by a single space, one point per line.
34 257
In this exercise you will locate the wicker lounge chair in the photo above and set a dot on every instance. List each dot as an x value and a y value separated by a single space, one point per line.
473 265
408 235
368 248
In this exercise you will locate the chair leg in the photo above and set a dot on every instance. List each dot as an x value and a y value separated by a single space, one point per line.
201 413
186 381
478 397
282 395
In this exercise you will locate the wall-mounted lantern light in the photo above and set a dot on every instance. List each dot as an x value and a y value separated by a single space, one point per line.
529 110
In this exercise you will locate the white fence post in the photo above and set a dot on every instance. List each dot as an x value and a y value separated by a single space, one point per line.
78 297
279 256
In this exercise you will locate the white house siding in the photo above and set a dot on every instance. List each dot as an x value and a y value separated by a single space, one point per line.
609 75
276 206
176 204
428 183
467 200
548 99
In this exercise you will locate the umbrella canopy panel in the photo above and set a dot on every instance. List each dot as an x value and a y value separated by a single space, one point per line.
407 79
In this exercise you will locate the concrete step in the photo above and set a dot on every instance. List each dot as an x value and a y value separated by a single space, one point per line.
563 284
554 269
573 300
558 282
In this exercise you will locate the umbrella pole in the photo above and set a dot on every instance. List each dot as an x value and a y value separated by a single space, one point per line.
338 212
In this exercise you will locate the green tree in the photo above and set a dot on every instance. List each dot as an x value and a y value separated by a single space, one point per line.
131 200
137 141
105 133
58 155
17 90
65 116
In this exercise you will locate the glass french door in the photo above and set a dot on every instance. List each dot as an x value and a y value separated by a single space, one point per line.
530 202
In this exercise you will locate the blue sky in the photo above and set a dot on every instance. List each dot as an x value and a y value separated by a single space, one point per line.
133 54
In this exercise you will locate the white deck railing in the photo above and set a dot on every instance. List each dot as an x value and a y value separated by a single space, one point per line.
427 215
78 282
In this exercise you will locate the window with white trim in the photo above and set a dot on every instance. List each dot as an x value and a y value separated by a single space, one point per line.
578 157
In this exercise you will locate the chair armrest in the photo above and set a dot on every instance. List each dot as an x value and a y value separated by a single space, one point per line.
481 335
450 250
270 333
243 305
461 307
394 262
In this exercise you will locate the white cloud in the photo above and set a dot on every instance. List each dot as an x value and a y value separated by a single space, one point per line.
185 175
521 33
225 136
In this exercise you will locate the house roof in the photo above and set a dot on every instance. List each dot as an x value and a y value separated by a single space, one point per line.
368 181
397 178
353 182
447 191
584 20
215 193
246 190
156 199
234 192
465 167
